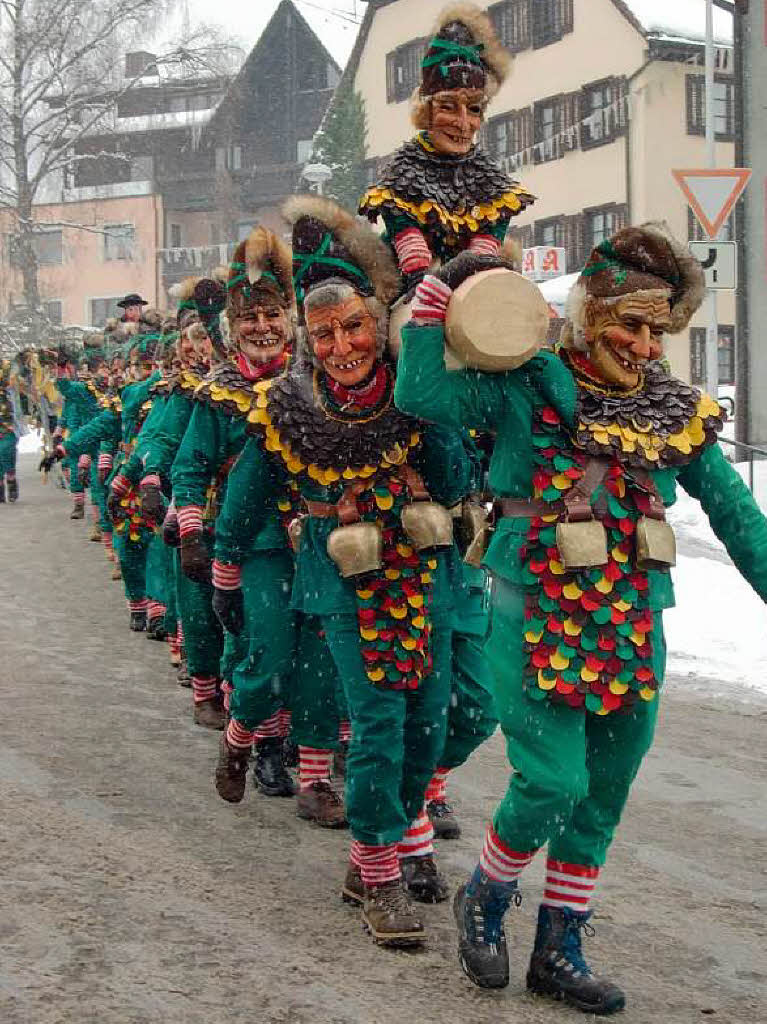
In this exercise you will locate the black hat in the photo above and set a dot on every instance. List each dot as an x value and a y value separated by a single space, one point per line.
132 300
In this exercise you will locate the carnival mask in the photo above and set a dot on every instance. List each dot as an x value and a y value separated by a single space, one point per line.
624 334
456 117
261 331
343 340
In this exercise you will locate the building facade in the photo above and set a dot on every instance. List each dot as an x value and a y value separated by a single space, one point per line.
605 98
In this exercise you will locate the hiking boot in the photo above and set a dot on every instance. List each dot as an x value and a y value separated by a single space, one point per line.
155 628
210 714
183 677
339 761
443 820
231 772
2 492
558 969
422 879
117 573
13 489
479 908
390 917
78 512
269 773
175 659
138 622
321 804
95 534
290 753
353 890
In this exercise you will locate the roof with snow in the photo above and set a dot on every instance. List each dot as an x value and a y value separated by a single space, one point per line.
679 20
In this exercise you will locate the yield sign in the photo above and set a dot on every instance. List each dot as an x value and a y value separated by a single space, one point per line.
712 193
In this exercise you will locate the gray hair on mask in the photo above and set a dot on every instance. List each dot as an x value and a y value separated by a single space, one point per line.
335 291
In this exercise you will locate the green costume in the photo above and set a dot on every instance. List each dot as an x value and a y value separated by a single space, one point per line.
560 790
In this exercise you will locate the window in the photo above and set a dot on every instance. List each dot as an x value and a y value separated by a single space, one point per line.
725 353
229 158
102 309
603 111
175 236
546 130
552 19
303 150
510 136
522 235
695 232
562 232
549 232
403 70
555 126
48 247
602 221
724 106
53 310
314 73
119 241
371 172
511 20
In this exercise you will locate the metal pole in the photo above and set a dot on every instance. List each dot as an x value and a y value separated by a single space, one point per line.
712 330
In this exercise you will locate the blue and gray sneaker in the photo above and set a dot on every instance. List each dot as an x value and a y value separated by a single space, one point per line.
479 908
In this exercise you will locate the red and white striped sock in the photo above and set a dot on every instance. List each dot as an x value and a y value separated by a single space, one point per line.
175 646
313 766
269 728
226 692
412 250
180 633
106 540
569 885
437 788
377 864
418 841
155 609
95 514
238 736
203 688
485 245
344 731
138 606
499 861
79 500
284 720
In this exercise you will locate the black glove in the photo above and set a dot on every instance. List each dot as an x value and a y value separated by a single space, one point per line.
195 560
412 278
230 610
170 534
152 502
465 265
114 508
83 475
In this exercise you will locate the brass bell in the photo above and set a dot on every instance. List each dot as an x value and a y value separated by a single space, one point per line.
428 525
582 545
356 549
475 533
655 544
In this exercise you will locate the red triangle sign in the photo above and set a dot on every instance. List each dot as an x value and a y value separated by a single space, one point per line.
712 193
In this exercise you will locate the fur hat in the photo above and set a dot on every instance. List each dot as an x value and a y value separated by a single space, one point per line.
329 242
464 53
182 293
261 264
640 259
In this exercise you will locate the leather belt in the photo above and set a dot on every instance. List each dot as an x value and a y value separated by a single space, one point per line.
321 509
526 508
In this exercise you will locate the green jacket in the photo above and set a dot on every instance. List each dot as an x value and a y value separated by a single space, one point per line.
504 403
255 487
163 430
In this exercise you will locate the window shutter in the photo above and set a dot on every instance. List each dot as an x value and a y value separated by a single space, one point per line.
567 16
391 81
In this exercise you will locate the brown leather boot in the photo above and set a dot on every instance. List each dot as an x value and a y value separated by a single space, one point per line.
321 804
210 714
353 891
78 512
95 534
422 879
231 772
117 573
390 917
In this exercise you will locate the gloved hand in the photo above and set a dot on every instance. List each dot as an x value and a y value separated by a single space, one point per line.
83 475
170 534
195 560
117 491
152 501
229 607
465 265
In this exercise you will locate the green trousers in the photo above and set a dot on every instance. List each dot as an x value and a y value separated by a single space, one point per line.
317 699
572 769
7 454
471 716
159 570
99 495
132 555
261 679
203 636
397 735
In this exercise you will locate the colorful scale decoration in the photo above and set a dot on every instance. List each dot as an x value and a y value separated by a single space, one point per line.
133 521
588 633
393 605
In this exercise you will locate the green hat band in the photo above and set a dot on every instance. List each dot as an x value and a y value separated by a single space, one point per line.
319 256
449 52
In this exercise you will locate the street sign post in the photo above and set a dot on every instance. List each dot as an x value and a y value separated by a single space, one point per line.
719 262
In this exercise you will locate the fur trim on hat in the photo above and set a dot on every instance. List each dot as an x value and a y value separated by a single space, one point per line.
220 274
494 54
511 251
265 251
151 317
365 247
691 290
182 291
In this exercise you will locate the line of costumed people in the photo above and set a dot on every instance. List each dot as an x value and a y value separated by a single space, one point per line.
299 492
